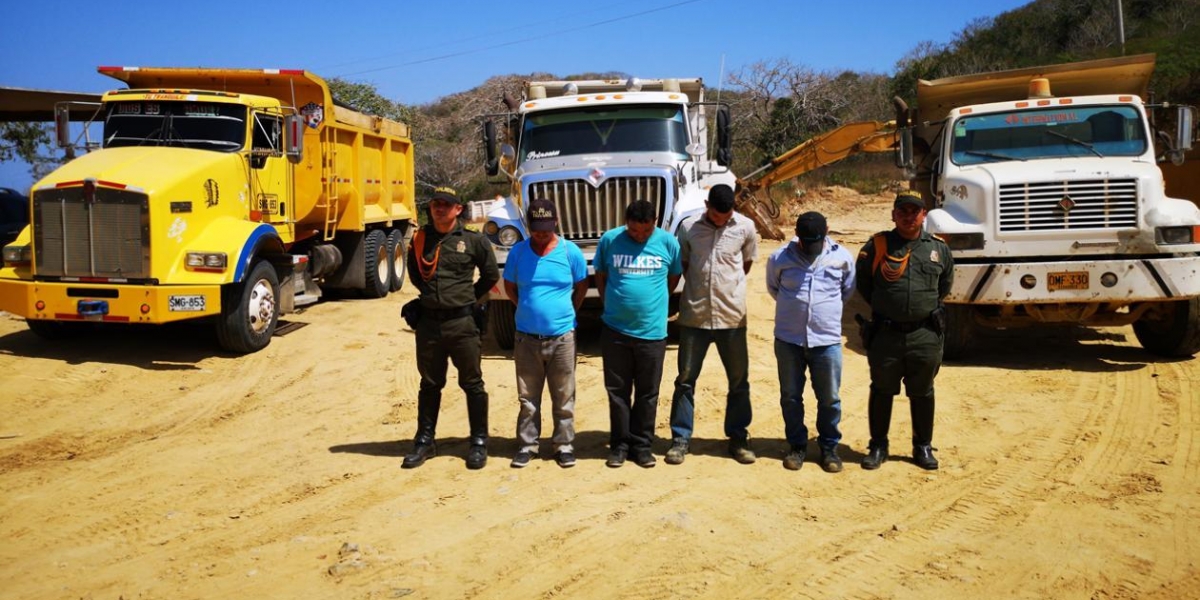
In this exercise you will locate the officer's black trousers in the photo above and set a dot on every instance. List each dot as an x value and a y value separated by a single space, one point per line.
914 359
438 342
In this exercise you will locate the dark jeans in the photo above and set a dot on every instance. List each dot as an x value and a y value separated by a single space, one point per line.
632 373
454 340
824 366
914 359
693 346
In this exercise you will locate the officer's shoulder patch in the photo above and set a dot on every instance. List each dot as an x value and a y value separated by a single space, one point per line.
938 237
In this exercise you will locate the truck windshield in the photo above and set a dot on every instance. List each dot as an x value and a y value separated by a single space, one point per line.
1059 132
202 125
609 129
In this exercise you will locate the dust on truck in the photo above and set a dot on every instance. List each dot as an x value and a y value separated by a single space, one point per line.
594 146
234 195
1045 184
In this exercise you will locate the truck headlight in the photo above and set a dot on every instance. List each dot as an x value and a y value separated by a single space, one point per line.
509 236
207 261
963 241
15 255
1177 235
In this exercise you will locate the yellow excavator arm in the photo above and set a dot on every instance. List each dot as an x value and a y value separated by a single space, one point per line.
818 151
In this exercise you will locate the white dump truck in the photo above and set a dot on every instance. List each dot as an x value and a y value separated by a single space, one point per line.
1046 185
594 146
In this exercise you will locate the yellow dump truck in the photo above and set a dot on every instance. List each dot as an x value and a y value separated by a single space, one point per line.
233 195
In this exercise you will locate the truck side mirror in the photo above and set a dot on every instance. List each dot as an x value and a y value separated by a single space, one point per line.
904 151
508 159
491 163
1183 134
62 128
724 137
293 137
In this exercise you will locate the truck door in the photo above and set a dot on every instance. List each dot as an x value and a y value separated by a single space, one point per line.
269 181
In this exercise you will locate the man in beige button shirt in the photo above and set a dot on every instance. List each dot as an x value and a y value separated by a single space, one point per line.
717 247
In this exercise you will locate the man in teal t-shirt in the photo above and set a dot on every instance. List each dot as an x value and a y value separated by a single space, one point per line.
636 268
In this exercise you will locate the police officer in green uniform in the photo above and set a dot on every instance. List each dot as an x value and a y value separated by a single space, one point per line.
442 261
904 274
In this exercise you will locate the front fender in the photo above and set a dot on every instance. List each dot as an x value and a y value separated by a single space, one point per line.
240 240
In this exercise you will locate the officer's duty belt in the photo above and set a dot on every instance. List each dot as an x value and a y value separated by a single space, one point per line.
446 314
904 327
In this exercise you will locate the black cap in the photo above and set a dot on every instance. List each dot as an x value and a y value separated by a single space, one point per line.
720 198
445 194
909 197
811 226
542 215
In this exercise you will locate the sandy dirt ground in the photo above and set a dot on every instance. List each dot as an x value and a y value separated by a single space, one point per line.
148 464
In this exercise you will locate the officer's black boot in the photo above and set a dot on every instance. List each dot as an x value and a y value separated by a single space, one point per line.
427 415
477 415
922 419
420 452
879 419
923 456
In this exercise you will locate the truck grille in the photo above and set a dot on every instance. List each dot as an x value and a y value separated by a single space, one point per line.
1059 205
585 212
105 238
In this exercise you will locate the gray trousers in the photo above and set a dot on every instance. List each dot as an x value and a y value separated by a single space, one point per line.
540 362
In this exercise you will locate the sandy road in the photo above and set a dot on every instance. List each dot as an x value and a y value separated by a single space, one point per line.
146 464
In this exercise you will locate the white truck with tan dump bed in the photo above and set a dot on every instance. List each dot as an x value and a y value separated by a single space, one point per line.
1045 184
594 146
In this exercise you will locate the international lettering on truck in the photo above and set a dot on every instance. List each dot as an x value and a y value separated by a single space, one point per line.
233 195
592 147
1045 183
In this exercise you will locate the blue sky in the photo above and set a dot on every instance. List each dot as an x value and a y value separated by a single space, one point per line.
417 52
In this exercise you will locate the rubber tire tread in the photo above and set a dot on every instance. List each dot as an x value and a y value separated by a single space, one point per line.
233 324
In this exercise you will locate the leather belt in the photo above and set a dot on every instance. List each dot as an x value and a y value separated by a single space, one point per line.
542 338
904 326
446 314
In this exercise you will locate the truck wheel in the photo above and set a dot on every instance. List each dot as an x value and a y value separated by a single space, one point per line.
249 311
398 250
502 319
960 327
1172 330
378 265
56 330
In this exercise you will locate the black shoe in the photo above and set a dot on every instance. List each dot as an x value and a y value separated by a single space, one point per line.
476 457
875 457
794 459
830 461
923 456
678 451
616 458
419 453
521 460
565 459
644 458
741 452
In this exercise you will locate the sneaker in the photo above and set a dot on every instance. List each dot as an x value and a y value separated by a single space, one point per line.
476 457
875 456
923 456
741 452
676 454
830 461
644 458
565 459
521 460
419 453
794 459
616 458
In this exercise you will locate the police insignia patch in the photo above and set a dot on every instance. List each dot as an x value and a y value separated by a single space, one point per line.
461 247
933 256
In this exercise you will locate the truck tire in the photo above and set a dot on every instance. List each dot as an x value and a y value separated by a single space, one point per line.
502 320
378 264
398 251
1173 331
960 328
249 311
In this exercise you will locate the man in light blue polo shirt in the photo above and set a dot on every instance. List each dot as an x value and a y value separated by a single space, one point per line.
810 279
636 268
546 276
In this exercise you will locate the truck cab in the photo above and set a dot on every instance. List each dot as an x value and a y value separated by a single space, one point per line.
594 146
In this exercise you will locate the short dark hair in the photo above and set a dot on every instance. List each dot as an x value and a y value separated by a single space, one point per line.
641 211
720 198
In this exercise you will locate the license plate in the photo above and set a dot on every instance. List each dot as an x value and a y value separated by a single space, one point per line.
186 303
1068 280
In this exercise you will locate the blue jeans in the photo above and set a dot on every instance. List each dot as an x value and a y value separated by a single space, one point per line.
824 365
693 346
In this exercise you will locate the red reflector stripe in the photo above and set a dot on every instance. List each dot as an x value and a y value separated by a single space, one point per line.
69 184
291 71
117 319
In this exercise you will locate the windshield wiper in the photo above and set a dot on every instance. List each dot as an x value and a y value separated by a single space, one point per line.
1074 140
994 155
